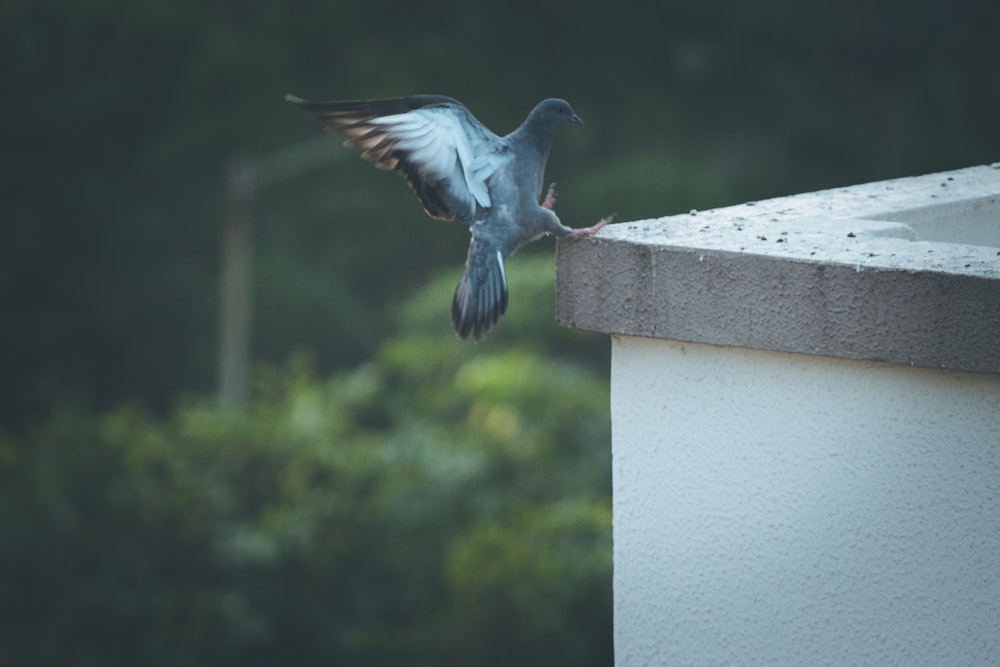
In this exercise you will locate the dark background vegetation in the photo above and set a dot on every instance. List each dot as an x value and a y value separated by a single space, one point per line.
392 495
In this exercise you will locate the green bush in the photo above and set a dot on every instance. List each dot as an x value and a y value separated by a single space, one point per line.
441 503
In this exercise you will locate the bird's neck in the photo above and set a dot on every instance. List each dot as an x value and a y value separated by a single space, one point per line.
538 135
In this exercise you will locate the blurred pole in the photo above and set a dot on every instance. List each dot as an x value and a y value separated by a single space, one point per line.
245 178
235 289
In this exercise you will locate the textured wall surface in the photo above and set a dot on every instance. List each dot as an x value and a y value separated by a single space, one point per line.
789 509
906 271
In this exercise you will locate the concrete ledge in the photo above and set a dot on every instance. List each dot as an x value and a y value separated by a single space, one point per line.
905 271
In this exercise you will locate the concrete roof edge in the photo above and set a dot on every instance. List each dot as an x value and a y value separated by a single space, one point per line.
881 271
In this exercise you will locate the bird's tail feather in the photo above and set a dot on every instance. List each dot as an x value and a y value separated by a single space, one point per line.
481 296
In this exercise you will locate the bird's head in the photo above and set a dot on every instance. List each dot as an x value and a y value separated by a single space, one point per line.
555 112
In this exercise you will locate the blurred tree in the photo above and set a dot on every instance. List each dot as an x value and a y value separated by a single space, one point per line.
437 503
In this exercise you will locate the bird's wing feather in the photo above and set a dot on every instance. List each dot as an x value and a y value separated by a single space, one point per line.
445 154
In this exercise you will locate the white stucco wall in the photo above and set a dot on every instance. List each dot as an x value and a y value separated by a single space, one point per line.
784 509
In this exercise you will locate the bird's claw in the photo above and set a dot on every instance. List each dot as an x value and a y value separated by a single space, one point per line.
550 198
590 231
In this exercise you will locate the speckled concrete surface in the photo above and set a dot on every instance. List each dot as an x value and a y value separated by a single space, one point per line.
906 271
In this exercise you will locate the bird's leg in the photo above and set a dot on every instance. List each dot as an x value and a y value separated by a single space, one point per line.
550 198
552 225
590 231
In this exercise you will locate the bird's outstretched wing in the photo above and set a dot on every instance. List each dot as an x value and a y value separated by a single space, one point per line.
435 142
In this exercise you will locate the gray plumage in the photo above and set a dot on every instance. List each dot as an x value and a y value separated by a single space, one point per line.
460 169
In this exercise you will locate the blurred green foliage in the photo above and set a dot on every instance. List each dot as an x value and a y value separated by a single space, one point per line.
438 504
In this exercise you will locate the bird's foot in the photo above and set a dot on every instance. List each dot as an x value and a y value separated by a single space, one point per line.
590 231
550 197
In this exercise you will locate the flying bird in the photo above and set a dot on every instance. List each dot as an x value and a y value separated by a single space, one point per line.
461 170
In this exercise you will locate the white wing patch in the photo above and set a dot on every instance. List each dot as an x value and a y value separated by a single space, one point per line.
503 271
437 142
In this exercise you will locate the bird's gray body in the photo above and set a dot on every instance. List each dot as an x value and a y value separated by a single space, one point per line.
461 170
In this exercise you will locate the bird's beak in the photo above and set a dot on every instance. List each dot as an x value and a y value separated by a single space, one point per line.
576 119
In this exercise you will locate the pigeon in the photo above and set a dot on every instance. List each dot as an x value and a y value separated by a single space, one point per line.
461 170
